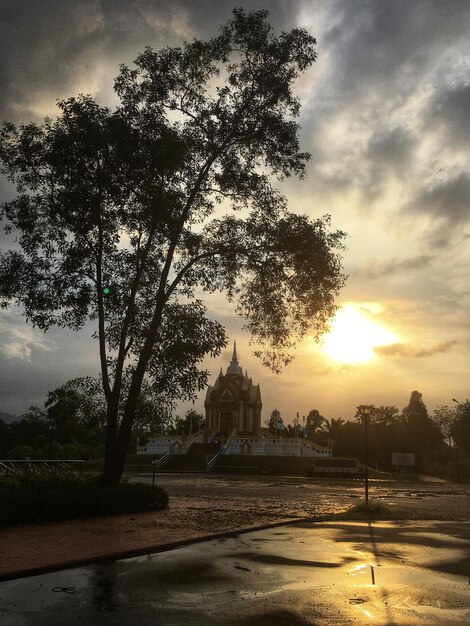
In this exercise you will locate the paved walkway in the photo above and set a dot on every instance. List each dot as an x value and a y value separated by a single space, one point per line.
207 506
35 548
406 573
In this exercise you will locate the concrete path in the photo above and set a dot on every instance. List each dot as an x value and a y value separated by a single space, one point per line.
383 573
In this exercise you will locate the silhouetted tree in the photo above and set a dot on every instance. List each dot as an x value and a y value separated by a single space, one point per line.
313 422
386 415
332 429
416 410
349 440
115 218
273 420
461 427
193 422
445 417
421 435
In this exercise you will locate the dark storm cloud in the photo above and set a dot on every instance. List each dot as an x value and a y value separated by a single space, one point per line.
379 43
375 58
51 48
391 148
33 363
452 109
378 269
448 202
406 350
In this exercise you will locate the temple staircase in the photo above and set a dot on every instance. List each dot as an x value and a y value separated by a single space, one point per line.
196 460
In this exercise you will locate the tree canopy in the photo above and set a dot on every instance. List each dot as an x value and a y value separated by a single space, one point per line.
127 217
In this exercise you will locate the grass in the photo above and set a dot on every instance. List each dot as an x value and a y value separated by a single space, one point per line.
57 498
372 510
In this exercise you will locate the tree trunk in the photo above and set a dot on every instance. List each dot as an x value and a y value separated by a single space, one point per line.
117 442
110 467
114 466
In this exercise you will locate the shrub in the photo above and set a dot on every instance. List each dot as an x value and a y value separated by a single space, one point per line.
63 497
370 509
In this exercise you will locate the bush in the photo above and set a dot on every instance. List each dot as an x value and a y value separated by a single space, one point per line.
62 497
21 452
371 509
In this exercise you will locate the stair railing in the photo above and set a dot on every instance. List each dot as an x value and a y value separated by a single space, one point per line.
157 464
211 462
228 441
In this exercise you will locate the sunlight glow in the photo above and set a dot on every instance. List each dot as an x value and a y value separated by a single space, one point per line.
353 337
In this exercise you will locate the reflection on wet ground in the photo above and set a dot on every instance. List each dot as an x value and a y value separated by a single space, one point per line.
389 573
298 496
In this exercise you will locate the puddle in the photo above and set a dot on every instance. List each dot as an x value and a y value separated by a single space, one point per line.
305 573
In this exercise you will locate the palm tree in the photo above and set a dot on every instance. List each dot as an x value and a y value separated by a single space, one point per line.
332 428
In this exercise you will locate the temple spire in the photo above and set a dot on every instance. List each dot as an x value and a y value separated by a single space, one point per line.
234 367
234 355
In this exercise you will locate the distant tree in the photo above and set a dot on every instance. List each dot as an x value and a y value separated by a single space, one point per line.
313 422
445 418
416 410
116 216
80 406
21 452
289 430
461 426
175 426
332 428
385 415
273 420
5 439
193 421
349 440
421 434
31 430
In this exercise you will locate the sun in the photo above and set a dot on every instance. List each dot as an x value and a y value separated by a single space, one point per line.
353 337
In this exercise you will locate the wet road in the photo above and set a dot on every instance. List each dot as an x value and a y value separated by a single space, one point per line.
390 573
264 498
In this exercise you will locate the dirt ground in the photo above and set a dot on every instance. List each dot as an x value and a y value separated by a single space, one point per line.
232 500
203 506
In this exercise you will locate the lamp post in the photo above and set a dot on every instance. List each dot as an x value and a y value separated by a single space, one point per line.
364 411
51 434
457 448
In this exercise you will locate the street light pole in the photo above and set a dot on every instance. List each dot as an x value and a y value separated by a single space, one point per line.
457 448
51 433
364 411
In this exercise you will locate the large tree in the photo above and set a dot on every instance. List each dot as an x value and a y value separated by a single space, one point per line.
421 434
127 217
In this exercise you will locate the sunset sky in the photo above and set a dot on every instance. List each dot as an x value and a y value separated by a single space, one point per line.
385 114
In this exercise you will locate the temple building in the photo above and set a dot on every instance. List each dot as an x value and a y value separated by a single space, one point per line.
232 432
234 402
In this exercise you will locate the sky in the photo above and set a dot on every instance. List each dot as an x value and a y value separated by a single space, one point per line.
385 114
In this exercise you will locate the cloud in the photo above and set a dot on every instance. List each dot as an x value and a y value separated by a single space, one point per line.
408 351
448 201
391 147
385 43
382 68
53 49
383 110
18 341
378 269
452 109
33 363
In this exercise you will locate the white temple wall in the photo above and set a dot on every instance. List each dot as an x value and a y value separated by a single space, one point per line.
259 446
